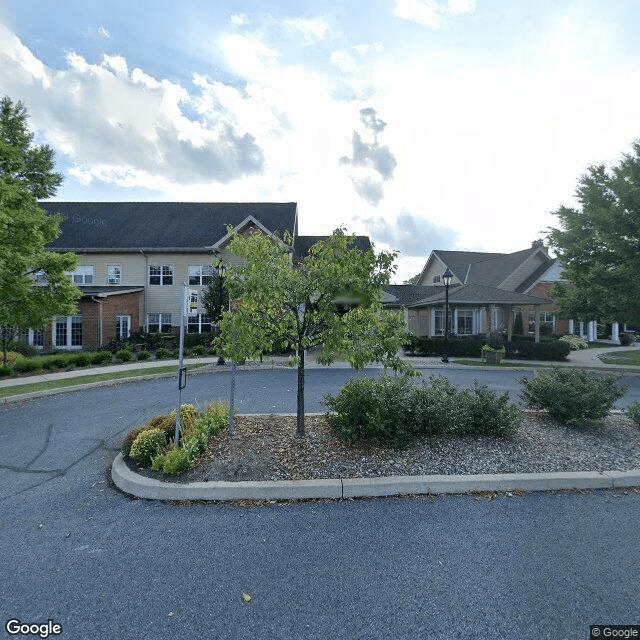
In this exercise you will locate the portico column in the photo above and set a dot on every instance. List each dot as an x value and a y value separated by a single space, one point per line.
615 335
537 324
571 327
591 331
581 329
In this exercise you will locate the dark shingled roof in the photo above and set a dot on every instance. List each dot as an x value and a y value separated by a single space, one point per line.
479 295
304 243
407 294
161 225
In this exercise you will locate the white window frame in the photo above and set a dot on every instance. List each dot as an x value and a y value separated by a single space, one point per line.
467 316
543 319
123 327
69 328
163 319
200 275
164 274
198 320
114 274
82 274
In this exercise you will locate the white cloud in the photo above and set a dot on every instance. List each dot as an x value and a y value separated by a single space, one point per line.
311 29
430 13
102 31
238 19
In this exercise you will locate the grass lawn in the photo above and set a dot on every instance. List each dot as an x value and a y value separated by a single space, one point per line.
621 357
504 364
34 387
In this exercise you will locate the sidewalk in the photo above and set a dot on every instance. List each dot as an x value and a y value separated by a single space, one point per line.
587 358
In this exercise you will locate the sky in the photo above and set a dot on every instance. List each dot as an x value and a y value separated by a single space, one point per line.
425 124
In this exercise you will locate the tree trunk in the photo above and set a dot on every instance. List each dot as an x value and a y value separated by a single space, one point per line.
300 416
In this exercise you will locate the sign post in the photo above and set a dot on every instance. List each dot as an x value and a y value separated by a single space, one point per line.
233 307
189 303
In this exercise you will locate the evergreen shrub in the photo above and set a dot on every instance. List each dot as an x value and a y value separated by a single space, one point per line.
575 397
148 444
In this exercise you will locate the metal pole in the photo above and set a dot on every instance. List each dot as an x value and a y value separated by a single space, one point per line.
183 309
445 357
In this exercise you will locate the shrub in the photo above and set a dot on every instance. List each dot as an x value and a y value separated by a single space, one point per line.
81 359
575 397
124 355
518 328
173 461
23 349
633 411
575 342
626 339
164 423
162 354
213 419
101 357
188 418
484 413
143 355
5 370
27 365
543 350
12 356
376 411
459 347
147 444
58 361
198 350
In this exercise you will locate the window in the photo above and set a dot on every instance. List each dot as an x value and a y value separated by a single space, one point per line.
199 323
464 322
41 277
82 275
546 317
436 279
159 322
160 275
200 274
123 327
438 322
113 274
68 332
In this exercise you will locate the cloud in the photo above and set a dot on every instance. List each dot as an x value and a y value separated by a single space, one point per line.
375 163
412 236
430 13
311 29
114 123
104 33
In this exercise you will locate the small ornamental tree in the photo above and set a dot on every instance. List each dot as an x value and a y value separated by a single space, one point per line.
26 176
331 298
518 328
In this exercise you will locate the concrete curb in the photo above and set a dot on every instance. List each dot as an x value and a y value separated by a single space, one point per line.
344 488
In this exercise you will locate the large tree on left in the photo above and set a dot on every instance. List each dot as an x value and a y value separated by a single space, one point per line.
26 176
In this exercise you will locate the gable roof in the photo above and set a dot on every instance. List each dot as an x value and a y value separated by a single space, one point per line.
404 295
178 226
478 294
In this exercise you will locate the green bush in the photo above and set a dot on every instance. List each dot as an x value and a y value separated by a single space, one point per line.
188 418
81 359
633 411
143 355
58 361
173 461
459 347
575 397
626 339
27 365
575 342
147 444
124 355
198 350
390 411
101 357
162 354
5 370
213 419
548 350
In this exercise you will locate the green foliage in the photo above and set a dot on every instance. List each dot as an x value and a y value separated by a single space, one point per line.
546 350
633 411
173 461
124 355
143 355
26 176
575 397
215 297
147 444
390 411
81 359
330 298
101 357
435 347
188 418
5 370
198 350
518 328
597 244
162 354
626 339
214 418
575 342
27 365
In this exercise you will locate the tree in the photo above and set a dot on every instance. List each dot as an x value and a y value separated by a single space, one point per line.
215 297
598 244
34 286
330 298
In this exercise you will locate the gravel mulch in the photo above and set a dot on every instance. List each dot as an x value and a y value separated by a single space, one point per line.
266 449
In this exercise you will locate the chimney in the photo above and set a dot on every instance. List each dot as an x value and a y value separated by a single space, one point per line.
537 243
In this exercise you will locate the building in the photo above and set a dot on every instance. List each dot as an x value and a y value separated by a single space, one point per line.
135 256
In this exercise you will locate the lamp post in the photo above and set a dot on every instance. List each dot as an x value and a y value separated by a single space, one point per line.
220 270
447 276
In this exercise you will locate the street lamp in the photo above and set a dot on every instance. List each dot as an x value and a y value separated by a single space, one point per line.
447 276
220 270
